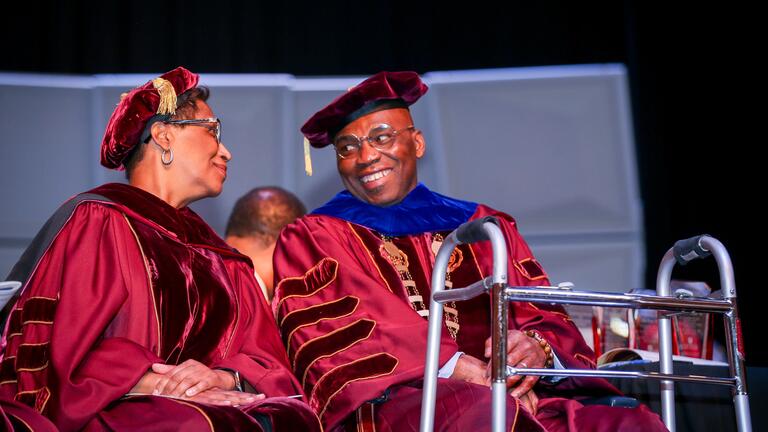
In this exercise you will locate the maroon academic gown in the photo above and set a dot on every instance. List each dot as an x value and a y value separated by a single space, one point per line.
15 416
354 340
128 281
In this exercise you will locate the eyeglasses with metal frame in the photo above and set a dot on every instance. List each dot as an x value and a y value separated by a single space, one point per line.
213 124
380 137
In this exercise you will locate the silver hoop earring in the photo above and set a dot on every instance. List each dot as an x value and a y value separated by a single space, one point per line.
169 152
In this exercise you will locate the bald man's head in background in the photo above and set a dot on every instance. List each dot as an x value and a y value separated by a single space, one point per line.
255 225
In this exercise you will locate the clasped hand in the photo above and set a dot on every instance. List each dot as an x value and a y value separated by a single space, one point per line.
194 381
522 351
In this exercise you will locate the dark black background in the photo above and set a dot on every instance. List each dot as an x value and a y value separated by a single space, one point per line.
689 68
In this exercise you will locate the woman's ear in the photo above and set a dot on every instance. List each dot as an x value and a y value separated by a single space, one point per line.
162 134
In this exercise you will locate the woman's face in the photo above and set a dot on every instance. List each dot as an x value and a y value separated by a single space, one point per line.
200 161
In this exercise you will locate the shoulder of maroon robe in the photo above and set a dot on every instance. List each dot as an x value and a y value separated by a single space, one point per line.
182 224
344 317
55 358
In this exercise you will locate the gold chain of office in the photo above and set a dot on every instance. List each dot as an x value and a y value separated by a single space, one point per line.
399 260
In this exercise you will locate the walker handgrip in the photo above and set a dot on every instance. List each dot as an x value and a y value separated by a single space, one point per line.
470 232
690 249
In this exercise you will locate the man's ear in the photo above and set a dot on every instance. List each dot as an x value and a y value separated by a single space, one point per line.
419 143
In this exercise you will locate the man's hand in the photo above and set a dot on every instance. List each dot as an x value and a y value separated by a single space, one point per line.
190 378
470 369
523 352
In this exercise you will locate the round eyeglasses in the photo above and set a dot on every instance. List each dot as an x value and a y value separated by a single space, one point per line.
380 137
213 124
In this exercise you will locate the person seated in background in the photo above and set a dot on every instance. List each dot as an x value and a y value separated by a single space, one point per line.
354 287
134 314
255 224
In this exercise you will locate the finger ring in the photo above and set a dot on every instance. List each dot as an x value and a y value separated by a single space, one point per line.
523 364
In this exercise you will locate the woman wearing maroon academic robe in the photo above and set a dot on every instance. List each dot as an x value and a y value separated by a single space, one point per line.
134 314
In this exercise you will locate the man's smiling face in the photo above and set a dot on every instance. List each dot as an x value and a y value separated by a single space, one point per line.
382 177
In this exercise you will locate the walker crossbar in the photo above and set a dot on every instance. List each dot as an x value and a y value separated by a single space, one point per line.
699 379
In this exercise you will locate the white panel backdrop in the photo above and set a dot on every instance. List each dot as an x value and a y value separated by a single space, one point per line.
552 146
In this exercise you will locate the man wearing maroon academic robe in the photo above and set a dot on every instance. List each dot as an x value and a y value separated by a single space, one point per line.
118 280
357 342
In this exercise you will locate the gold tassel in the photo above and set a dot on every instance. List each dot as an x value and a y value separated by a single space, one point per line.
167 96
307 158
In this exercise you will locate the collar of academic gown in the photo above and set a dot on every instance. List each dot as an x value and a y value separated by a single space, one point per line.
420 211
182 224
